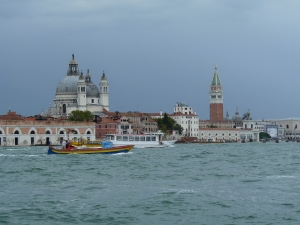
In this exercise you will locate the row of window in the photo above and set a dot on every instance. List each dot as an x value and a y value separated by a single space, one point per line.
244 136
136 138
47 132
191 129
107 126
216 134
105 89
193 135
190 122
215 96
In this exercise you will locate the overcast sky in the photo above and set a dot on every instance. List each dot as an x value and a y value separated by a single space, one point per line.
154 53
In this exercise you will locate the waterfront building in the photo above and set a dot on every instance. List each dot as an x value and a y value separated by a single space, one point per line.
228 135
216 124
216 98
288 128
184 116
125 123
106 125
18 130
141 122
187 119
78 92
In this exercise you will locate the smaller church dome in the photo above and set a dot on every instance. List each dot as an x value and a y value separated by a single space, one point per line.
237 118
227 117
92 90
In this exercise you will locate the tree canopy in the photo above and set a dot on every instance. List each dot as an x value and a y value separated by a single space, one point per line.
263 135
78 115
167 123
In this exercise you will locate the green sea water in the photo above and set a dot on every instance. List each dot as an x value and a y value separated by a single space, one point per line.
239 183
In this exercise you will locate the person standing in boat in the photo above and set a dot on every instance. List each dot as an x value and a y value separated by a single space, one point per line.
63 144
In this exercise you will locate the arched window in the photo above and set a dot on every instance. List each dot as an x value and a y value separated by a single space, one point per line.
88 132
16 132
64 108
296 126
61 132
287 126
32 132
0 132
47 132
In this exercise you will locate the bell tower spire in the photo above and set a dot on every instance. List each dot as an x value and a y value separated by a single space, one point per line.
216 98
104 92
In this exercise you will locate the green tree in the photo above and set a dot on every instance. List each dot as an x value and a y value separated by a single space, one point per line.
78 115
178 127
263 135
167 123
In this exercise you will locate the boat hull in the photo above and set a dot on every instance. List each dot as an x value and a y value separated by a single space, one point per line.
112 150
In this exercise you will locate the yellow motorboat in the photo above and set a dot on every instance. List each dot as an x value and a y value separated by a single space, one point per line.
87 143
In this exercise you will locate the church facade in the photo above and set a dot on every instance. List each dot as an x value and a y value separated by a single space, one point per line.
78 92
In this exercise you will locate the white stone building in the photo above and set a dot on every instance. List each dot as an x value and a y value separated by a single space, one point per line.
78 92
187 118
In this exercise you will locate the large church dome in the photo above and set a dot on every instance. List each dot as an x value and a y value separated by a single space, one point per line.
68 85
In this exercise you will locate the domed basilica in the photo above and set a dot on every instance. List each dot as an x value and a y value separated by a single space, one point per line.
78 92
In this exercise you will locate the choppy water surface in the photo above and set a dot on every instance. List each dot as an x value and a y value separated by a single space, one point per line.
251 183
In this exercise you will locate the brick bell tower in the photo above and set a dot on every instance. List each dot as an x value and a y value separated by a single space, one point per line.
216 98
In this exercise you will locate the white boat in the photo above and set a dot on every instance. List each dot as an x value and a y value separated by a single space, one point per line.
148 140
